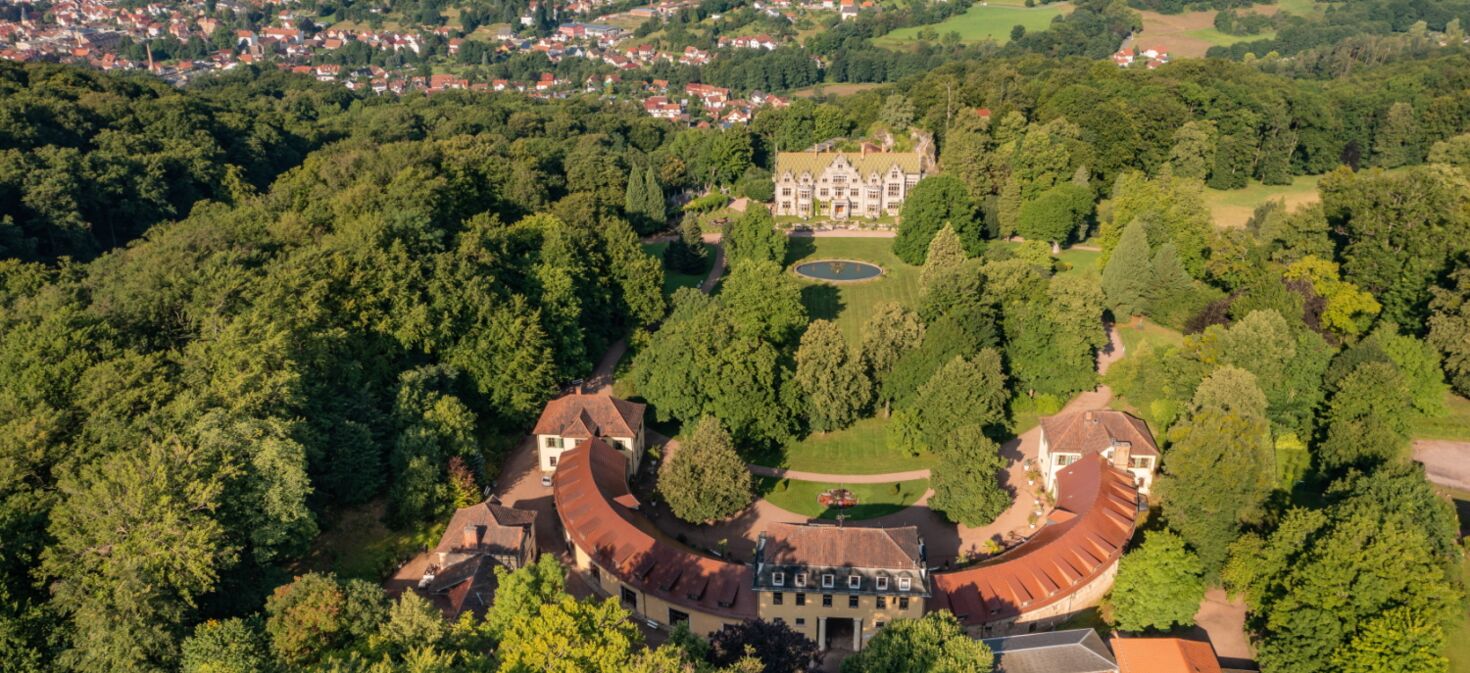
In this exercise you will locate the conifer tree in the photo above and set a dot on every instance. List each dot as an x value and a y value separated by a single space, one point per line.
945 252
635 196
833 380
653 198
1129 273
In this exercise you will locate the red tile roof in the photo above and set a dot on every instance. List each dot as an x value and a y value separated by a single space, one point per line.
585 416
496 529
1093 431
1094 520
1164 655
596 509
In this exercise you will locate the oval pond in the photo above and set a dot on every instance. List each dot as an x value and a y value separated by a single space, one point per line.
840 270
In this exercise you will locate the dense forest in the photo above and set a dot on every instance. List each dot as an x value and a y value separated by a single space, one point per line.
230 311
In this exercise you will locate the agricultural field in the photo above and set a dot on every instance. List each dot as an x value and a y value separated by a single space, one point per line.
983 21
1190 34
836 90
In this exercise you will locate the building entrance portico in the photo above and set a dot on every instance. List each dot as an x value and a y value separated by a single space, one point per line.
841 633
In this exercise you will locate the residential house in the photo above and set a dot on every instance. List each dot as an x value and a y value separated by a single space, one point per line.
1121 439
461 572
840 585
570 420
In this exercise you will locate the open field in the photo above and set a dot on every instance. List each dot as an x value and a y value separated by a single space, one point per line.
1078 262
1454 425
1135 335
673 280
874 500
849 305
1189 34
839 89
983 22
860 449
1233 207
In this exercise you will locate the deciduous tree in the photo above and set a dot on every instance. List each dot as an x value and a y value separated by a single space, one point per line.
966 479
705 479
1159 585
834 382
931 204
935 643
778 647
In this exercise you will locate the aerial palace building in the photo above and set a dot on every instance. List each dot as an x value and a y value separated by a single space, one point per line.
840 585
846 185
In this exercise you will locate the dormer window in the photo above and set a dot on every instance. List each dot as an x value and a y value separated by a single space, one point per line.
904 583
854 581
882 582
800 579
778 579
828 580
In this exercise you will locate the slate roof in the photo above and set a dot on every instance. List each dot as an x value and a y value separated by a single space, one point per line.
870 553
1164 655
583 416
1075 651
467 585
866 164
1093 431
1086 533
596 510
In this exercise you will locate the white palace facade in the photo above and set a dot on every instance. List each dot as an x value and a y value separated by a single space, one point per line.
846 185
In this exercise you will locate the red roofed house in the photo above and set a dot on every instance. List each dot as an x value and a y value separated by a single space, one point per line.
1164 655
571 420
461 573
1121 439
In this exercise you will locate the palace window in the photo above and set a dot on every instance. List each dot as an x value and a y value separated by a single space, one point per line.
1141 462
801 621
852 601
778 579
778 598
551 460
801 579
677 617
826 600
882 582
822 192
1065 459
903 602
893 190
882 602
904 583
785 191
801 599
553 442
854 581
828 580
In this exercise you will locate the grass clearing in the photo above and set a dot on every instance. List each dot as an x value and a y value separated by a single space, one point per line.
859 449
358 545
982 22
1232 208
1136 334
673 280
849 305
874 500
1454 425
1074 262
838 90
1188 34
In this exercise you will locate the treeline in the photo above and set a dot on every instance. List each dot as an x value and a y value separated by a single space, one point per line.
1350 21
374 325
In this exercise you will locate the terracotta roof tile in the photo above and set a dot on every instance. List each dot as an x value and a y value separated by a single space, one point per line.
1093 431
1164 655
596 506
586 416
1060 558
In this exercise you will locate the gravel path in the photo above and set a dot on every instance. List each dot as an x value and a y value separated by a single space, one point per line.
782 473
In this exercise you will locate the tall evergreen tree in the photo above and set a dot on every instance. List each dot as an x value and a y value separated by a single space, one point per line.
654 207
1128 276
946 252
635 196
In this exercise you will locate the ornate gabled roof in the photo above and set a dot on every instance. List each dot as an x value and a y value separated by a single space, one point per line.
585 416
1096 430
815 162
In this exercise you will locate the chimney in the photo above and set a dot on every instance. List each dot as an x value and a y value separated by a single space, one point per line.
1122 451
471 537
1089 417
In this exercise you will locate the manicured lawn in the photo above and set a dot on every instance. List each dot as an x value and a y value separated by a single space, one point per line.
860 449
851 304
874 500
1454 426
673 281
1145 332
982 22
1078 262
1233 207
